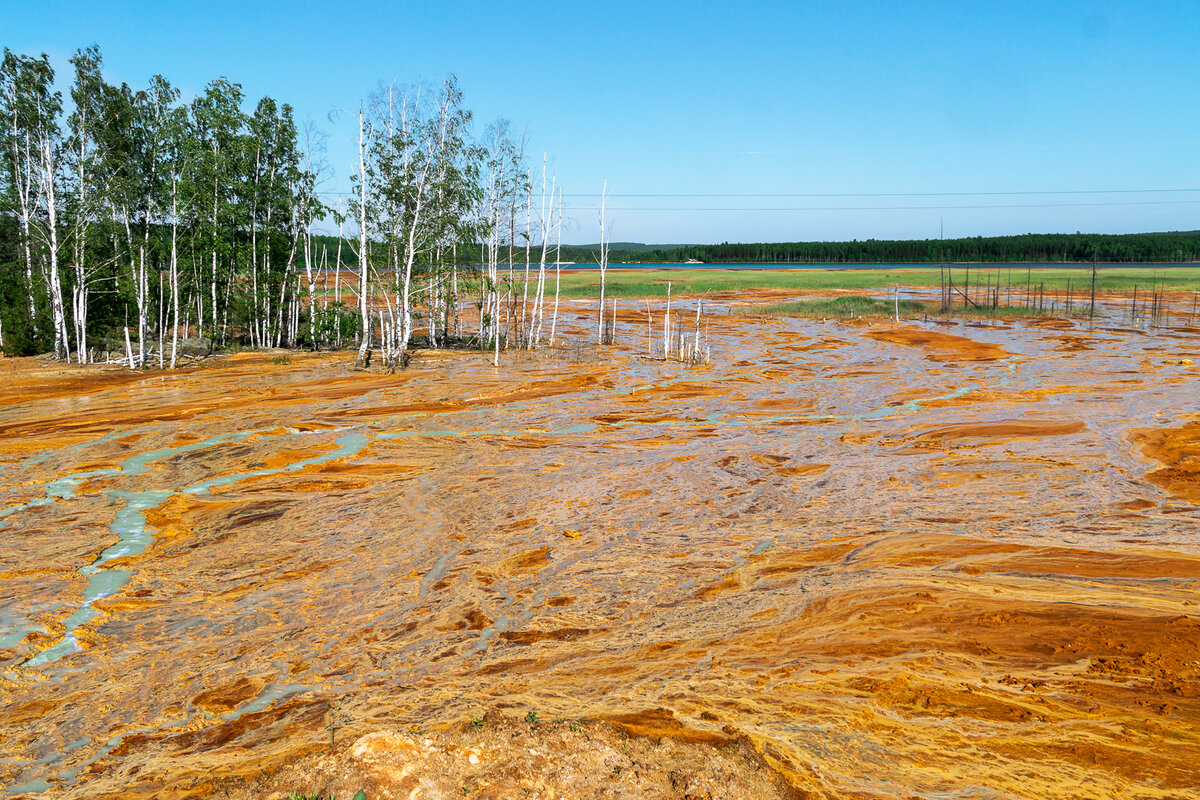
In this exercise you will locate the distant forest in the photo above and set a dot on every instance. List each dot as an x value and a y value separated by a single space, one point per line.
1171 247
1179 246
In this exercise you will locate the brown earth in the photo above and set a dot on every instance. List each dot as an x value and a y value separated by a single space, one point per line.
843 560
496 757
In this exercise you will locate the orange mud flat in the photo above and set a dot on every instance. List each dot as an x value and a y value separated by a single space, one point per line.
840 561
1178 450
941 346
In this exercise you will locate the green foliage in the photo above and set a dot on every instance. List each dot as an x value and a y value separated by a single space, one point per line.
532 718
281 360
848 307
1177 246
141 178
359 795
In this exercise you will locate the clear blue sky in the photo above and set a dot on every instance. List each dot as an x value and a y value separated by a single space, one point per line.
739 98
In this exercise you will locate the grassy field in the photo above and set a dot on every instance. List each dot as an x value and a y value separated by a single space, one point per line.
653 283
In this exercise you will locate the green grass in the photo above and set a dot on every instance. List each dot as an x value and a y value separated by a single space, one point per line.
653 283
847 307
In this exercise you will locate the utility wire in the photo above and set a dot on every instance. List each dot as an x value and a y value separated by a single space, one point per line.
1036 193
909 194
889 208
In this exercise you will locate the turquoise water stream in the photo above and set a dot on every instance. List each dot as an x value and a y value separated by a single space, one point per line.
133 536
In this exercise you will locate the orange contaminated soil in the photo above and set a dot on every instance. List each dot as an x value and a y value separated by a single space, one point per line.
840 561
1004 431
1178 450
942 346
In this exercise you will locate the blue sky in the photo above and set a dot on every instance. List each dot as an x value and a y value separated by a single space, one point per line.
881 114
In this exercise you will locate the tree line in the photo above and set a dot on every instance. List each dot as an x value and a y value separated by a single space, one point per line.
1174 247
130 220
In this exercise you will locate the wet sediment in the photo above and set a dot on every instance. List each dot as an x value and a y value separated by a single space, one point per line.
893 560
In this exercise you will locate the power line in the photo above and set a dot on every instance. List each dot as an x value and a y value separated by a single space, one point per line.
888 208
878 150
912 194
1035 193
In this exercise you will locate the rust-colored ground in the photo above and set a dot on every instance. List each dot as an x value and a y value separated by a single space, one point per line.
867 560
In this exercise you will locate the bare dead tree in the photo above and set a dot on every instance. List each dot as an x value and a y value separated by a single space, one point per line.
602 259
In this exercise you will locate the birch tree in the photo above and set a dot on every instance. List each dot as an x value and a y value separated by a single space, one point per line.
22 81
85 157
37 180
500 153
48 139
217 119
454 191
308 210
602 260
178 154
147 215
362 213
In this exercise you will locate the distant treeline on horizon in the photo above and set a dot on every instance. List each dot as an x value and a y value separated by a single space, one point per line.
1167 247
1031 247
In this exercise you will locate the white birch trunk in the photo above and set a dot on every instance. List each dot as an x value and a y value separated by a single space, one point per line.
649 331
528 243
175 270
214 262
410 255
24 172
667 325
557 269
50 192
363 310
603 264
79 292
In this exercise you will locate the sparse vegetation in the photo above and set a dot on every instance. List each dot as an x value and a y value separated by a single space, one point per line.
640 283
847 307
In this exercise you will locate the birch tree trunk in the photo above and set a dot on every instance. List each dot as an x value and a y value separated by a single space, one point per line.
363 310
24 178
667 325
603 260
61 342
312 288
79 292
410 256
49 192
213 323
557 270
175 269
528 241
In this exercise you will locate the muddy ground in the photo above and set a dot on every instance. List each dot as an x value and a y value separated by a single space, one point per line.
843 560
